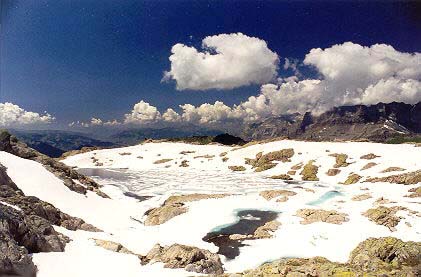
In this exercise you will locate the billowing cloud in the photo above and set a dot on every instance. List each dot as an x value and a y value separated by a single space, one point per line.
350 74
96 121
171 116
227 61
13 115
142 113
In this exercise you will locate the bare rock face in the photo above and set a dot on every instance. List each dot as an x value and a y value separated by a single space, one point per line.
112 246
164 213
317 215
384 216
369 156
333 172
189 258
340 160
352 179
281 177
237 168
264 162
193 197
368 165
22 235
175 206
10 144
386 256
270 194
415 192
14 260
309 172
409 178
392 168
390 256
26 228
33 206
361 197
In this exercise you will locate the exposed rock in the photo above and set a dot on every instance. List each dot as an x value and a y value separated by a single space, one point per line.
184 163
205 156
262 232
237 168
14 259
392 168
390 256
369 156
281 177
369 165
33 206
382 201
340 160
352 179
317 215
223 154
185 152
264 162
266 230
192 197
373 257
379 122
361 197
174 206
112 246
291 172
297 166
333 172
224 159
85 149
21 235
10 144
409 178
298 267
161 161
309 172
384 216
270 194
164 213
189 258
416 192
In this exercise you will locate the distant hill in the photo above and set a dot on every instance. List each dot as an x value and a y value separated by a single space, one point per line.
134 136
394 122
54 143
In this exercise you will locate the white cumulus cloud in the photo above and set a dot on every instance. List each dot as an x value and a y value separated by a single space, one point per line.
226 61
13 115
142 113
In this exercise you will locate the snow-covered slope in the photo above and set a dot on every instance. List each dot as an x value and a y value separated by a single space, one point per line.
136 170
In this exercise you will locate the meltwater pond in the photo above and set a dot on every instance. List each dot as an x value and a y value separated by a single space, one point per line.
247 223
152 182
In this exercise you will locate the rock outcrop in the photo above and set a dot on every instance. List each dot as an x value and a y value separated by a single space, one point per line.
384 216
266 161
189 258
270 194
379 122
373 257
409 178
174 206
10 144
309 172
26 228
317 215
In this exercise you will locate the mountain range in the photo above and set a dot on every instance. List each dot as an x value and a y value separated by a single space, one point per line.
392 123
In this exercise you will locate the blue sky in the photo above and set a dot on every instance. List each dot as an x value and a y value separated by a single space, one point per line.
83 59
